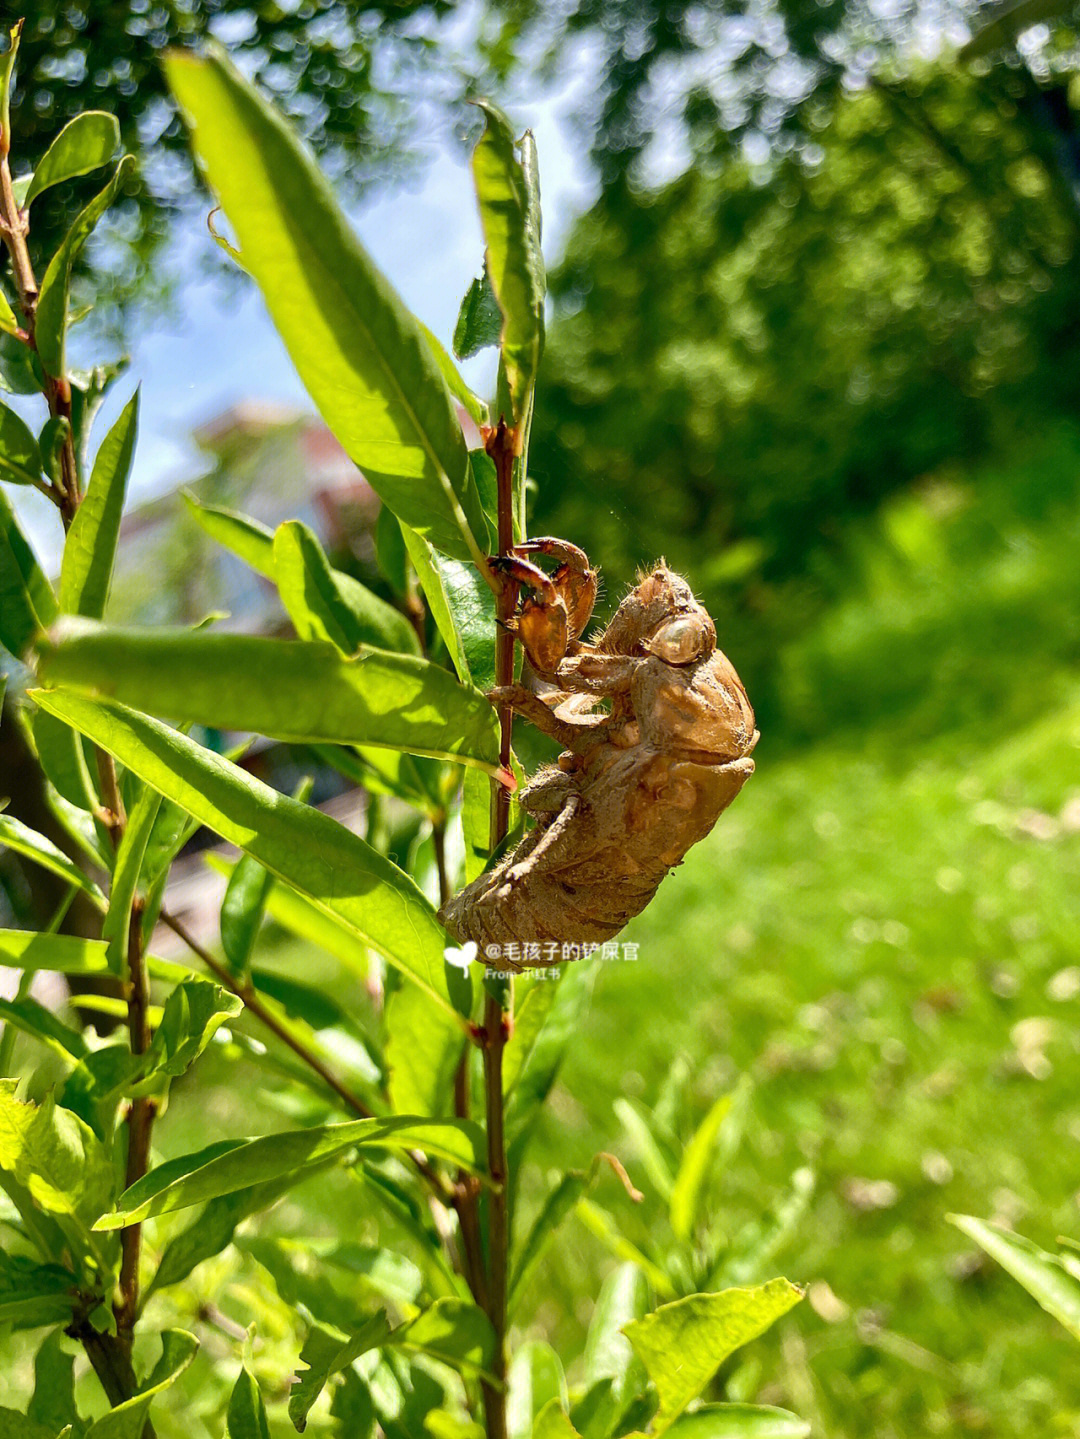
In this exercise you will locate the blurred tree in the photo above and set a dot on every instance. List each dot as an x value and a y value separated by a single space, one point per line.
749 355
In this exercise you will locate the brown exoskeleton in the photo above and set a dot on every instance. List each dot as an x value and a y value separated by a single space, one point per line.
639 781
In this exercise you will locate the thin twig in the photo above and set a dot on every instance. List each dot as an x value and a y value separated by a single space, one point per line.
253 1003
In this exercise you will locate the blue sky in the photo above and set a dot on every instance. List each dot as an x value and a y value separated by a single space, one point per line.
219 347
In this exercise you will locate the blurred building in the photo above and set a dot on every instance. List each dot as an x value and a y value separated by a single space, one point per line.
271 462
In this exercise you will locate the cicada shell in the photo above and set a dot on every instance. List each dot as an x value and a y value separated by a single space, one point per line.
658 732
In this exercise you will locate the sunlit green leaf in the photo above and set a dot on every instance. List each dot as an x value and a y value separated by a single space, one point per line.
242 911
328 863
325 604
41 1024
1043 1275
254 543
479 321
684 1343
20 457
54 1155
424 1043
361 355
51 317
27 603
90 547
23 840
552 1423
84 144
67 954
125 882
246 1416
473 406
284 689
127 1420
508 193
197 1177
739 1421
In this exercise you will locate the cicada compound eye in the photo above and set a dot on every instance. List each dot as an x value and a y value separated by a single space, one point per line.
683 640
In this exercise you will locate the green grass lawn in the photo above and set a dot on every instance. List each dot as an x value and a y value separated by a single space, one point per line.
884 934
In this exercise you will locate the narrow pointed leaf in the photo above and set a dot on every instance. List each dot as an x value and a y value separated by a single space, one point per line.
68 954
360 354
242 911
246 1416
20 457
1043 1275
508 193
335 868
479 321
740 1421
51 318
325 604
23 840
41 1024
196 1178
286 690
254 543
127 1420
125 881
90 548
84 144
7 74
472 404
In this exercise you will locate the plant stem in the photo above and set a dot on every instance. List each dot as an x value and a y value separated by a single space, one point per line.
501 445
14 228
140 1128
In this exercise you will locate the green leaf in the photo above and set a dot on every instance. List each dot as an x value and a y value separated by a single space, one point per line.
54 1155
252 542
653 1159
755 1245
53 1403
14 1425
284 689
602 1224
623 1298
535 1382
197 1177
361 355
479 321
246 1416
88 391
21 839
127 1420
683 1344
68 954
20 368
552 1423
41 1024
51 317
539 1068
51 442
423 1046
125 881
193 1013
20 457
472 404
242 911
1043 1275
740 1421
559 1203
33 1293
333 867
7 74
686 1193
90 548
454 1331
213 1229
84 144
325 604
509 199
326 1353
9 322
